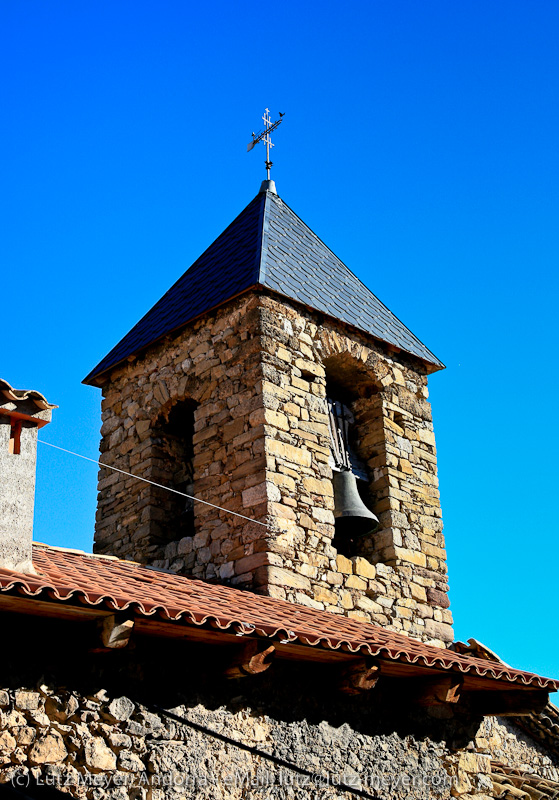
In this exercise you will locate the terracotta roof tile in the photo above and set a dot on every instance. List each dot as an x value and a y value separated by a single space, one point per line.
15 395
542 726
524 785
81 578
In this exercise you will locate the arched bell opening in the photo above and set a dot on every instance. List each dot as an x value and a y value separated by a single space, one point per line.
350 411
172 441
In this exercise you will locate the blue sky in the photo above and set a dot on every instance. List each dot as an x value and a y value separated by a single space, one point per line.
420 142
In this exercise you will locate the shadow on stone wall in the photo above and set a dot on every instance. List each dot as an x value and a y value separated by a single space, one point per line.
168 674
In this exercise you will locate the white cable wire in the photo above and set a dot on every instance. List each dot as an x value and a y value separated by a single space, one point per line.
152 483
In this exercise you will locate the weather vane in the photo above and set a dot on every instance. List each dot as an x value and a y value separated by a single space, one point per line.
265 137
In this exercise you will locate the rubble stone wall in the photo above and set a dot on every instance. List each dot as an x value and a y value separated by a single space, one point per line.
93 724
91 744
506 742
257 370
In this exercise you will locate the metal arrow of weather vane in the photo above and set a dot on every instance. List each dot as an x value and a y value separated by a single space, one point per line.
264 137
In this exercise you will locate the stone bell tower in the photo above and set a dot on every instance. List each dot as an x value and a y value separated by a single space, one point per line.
265 369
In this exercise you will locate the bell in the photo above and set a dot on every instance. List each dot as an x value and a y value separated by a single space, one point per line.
353 518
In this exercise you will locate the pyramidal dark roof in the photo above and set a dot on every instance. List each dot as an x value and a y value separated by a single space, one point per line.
267 245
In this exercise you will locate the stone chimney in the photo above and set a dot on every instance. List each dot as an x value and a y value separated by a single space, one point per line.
223 391
22 413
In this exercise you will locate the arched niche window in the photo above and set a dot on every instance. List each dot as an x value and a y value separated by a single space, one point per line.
353 412
174 452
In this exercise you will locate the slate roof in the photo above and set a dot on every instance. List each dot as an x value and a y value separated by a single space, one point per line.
73 577
267 245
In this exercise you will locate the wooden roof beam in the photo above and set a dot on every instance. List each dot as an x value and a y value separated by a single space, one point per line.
440 691
251 658
359 676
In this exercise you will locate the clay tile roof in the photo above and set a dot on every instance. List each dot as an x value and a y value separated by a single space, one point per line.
267 246
542 726
79 578
19 395
517 784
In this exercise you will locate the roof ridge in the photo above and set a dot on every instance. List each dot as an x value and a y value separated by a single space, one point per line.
75 551
260 234
263 249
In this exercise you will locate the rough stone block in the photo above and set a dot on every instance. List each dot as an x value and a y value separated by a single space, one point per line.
257 495
281 577
48 749
98 756
418 592
323 595
354 582
121 708
251 563
27 701
437 598
406 555
474 763
317 486
305 600
344 565
439 630
369 605
364 568
289 453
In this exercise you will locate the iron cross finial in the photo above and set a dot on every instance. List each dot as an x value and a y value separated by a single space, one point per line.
265 138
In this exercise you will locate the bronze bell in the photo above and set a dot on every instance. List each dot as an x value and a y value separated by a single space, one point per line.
353 518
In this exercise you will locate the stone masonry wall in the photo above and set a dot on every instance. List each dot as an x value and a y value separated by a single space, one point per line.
399 580
257 370
94 746
92 724
215 363
505 742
